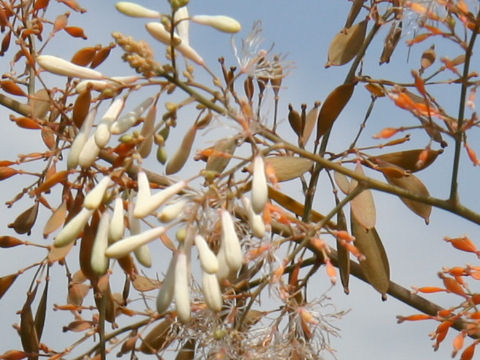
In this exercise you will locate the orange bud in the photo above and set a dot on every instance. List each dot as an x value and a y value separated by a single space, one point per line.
463 243
468 352
415 317
386 133
10 87
6 172
76 31
458 343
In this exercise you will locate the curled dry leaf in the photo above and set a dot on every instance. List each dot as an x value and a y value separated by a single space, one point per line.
415 186
375 265
288 167
346 44
28 332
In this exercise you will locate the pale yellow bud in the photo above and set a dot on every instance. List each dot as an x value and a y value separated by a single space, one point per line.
98 260
182 291
143 255
102 133
63 67
117 224
254 220
89 153
219 22
182 26
146 207
181 234
259 185
165 294
230 242
128 244
208 260
223 269
95 196
73 228
135 10
144 192
80 140
101 85
172 211
125 122
211 292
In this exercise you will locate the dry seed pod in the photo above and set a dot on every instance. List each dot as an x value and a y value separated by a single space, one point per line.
182 25
208 260
428 58
391 42
24 222
231 244
181 290
158 338
218 163
89 153
80 140
117 223
95 196
408 159
310 122
219 22
73 228
259 185
346 44
56 220
146 207
176 162
295 120
63 67
135 10
125 122
288 167
363 205
84 56
102 133
255 220
99 262
125 246
172 211
165 294
211 292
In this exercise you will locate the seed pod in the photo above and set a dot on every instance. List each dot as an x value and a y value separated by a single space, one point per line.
177 161
80 140
182 24
128 244
165 294
172 211
89 153
158 338
211 292
98 261
346 44
158 31
24 222
259 185
255 220
181 290
219 22
223 148
230 242
117 224
208 260
73 228
102 133
63 67
95 196
125 122
146 207
135 10
295 120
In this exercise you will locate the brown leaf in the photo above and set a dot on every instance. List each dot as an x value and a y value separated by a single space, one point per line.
375 265
176 162
76 293
81 108
415 186
346 44
354 11
342 182
5 283
332 107
13 355
5 43
56 220
10 87
75 31
310 122
39 103
6 172
48 137
142 283
28 333
41 312
391 42
50 182
428 58
295 120
343 255
409 159
363 205
86 247
24 222
220 158
10 241
288 167
84 56
187 352
58 253
78 326
158 338
101 55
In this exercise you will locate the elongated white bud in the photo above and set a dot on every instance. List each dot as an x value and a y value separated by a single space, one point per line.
101 85
128 244
255 220
95 196
182 25
143 255
80 139
99 261
89 153
135 10
211 292
157 30
145 208
144 192
126 121
171 212
63 67
148 130
74 227
182 291
102 133
219 22
223 269
165 294
117 224
208 260
259 185
231 244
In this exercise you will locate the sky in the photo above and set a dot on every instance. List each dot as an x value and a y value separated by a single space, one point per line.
302 30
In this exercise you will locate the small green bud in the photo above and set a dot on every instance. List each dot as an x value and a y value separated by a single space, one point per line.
162 155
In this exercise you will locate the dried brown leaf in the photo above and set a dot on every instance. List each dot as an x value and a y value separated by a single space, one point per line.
24 222
363 205
346 44
310 122
10 241
5 283
342 182
158 338
391 42
409 159
288 167
56 220
142 283
343 255
220 158
354 11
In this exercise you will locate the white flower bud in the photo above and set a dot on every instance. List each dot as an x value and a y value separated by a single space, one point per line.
143 255
211 292
157 30
98 260
182 291
182 24
74 227
208 260
89 153
95 196
165 294
255 220
125 122
80 139
144 192
259 185
102 133
128 244
101 85
146 207
223 269
172 211
148 131
135 10
231 244
117 224
63 67
219 22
